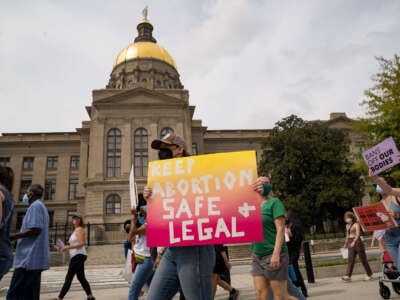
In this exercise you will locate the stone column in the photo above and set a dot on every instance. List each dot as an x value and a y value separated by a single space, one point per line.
96 150
39 167
153 134
62 179
83 164
126 153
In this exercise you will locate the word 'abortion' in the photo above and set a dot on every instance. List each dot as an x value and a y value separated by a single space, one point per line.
203 184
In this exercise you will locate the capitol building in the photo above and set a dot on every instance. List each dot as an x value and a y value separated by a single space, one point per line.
87 170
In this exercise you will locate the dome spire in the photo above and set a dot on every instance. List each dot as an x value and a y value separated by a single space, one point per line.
145 29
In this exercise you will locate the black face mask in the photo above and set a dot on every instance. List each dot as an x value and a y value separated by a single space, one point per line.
165 154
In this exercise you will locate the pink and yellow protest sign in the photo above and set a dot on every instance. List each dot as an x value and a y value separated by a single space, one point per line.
205 199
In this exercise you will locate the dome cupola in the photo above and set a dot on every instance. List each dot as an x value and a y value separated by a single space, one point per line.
144 63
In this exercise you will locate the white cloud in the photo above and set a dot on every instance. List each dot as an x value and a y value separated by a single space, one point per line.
246 64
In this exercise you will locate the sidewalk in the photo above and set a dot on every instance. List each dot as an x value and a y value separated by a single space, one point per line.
108 284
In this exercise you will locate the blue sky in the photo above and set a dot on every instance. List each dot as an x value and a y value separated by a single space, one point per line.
246 64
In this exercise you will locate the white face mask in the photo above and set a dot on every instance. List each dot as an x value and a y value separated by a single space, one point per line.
349 220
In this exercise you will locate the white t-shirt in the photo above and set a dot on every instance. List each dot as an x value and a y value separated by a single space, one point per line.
141 245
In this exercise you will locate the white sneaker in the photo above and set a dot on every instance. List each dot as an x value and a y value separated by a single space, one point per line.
346 278
368 278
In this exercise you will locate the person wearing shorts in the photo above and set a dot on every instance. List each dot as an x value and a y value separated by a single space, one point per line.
270 256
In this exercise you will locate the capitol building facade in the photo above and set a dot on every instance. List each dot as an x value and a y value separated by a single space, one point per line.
87 171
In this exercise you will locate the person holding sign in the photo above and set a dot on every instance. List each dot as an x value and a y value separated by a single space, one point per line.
188 267
144 263
391 199
355 246
270 257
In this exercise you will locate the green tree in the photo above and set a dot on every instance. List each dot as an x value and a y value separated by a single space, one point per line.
310 170
382 102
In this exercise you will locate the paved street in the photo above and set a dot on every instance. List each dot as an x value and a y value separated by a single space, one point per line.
108 284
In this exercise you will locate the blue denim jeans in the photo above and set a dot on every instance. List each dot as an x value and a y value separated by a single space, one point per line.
188 267
25 285
127 246
143 274
392 240
5 265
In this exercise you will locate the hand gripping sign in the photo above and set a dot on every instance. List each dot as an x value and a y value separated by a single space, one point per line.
205 199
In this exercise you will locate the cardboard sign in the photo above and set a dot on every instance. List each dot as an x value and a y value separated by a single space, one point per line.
202 200
133 195
382 156
374 217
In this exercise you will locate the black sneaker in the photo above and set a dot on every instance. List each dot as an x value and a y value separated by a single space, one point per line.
234 294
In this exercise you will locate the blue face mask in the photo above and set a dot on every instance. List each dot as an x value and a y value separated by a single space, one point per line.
379 190
141 220
25 199
266 189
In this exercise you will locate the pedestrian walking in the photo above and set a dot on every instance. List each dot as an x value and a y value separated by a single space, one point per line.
78 256
143 261
355 246
270 256
222 264
190 267
32 255
386 187
6 211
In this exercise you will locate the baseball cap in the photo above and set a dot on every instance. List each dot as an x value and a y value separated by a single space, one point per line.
169 139
77 216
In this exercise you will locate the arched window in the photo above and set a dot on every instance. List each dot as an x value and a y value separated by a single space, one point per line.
140 156
165 131
113 205
113 152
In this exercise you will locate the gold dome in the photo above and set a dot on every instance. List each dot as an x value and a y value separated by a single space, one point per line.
144 50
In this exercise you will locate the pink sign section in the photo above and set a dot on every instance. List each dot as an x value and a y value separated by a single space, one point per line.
202 200
382 156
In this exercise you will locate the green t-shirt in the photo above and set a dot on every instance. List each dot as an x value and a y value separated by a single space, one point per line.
270 210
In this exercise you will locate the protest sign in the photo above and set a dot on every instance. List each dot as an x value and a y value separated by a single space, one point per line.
374 217
204 199
382 156
133 189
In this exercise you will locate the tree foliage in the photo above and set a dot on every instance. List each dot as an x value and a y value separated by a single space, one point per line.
310 170
382 102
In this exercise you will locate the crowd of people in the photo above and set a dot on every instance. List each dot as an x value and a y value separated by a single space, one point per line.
192 271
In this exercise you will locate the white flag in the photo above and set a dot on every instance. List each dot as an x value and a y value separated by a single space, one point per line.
133 189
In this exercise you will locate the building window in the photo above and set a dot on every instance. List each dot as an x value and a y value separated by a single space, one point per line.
50 189
73 189
165 131
27 163
74 163
25 184
195 151
113 205
52 162
113 152
140 158
4 161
